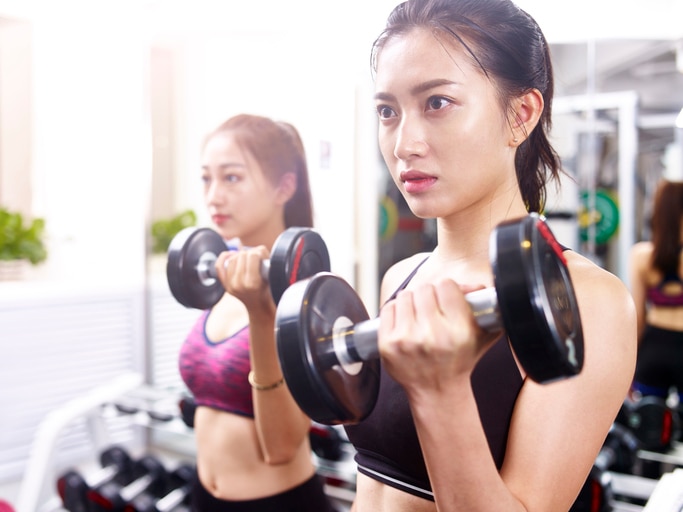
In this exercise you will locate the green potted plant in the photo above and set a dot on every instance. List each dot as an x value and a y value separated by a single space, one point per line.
21 241
163 230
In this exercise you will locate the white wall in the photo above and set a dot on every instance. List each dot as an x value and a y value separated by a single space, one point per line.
90 145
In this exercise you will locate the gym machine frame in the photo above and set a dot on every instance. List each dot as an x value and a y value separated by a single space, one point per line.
37 488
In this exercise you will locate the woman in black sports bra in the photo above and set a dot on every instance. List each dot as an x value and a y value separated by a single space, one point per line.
656 270
463 90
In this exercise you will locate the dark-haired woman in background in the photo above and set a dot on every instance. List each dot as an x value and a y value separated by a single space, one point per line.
656 277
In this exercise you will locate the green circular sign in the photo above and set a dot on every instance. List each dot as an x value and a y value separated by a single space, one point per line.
604 217
388 218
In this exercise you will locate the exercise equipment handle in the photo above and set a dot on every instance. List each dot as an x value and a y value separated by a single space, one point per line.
206 269
484 304
361 339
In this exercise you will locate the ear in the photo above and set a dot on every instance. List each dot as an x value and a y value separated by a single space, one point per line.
286 187
526 112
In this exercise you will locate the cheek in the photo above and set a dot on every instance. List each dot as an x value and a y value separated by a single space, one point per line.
386 146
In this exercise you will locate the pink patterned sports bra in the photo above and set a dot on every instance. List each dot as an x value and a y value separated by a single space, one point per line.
657 296
217 372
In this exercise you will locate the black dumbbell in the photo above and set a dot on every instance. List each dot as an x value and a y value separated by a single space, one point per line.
149 475
328 349
188 407
653 421
619 451
618 454
296 254
73 486
153 414
176 493
325 442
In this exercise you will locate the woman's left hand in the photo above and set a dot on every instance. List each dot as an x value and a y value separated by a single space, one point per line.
428 336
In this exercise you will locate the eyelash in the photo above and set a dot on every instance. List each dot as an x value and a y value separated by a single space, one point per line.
381 108
444 101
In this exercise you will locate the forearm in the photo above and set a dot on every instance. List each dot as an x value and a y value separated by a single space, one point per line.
280 424
461 468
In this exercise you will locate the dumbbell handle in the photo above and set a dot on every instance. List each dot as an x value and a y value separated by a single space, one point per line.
102 475
137 487
174 498
359 342
206 268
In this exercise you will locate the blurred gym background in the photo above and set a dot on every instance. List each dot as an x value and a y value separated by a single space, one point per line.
102 109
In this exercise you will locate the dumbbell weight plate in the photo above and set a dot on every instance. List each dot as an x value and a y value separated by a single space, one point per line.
297 253
188 249
309 312
536 299
654 423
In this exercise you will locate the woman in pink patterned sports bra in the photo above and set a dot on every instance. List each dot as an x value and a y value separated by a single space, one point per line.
656 270
253 451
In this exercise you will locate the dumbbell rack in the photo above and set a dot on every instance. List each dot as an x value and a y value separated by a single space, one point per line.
640 489
37 489
119 398
339 473
629 487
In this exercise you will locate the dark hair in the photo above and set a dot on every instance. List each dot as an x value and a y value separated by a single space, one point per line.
509 47
666 226
278 149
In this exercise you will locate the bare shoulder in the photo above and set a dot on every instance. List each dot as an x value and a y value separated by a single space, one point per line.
398 272
605 302
642 248
640 255
594 281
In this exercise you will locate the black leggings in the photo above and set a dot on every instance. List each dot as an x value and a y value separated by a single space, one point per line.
660 362
307 497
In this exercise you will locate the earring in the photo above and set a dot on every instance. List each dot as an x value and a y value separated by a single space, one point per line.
515 140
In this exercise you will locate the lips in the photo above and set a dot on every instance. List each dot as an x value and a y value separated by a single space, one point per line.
219 219
416 182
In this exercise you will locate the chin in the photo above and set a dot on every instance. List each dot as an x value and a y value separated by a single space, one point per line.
423 211
227 234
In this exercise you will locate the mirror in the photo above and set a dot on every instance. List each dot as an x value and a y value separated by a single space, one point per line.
615 113
617 98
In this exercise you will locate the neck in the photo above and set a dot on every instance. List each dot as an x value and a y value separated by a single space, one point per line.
265 236
466 236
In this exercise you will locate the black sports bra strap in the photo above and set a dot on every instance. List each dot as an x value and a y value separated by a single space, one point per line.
407 280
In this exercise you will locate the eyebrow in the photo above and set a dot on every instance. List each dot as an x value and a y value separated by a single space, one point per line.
419 88
226 165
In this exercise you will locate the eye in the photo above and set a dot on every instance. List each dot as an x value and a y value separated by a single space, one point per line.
385 112
231 178
206 179
437 103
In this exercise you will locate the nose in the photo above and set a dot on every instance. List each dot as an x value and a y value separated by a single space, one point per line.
214 193
410 140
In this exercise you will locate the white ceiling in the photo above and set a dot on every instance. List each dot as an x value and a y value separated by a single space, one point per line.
567 21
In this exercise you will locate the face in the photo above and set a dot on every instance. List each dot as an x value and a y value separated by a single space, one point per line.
442 131
241 201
